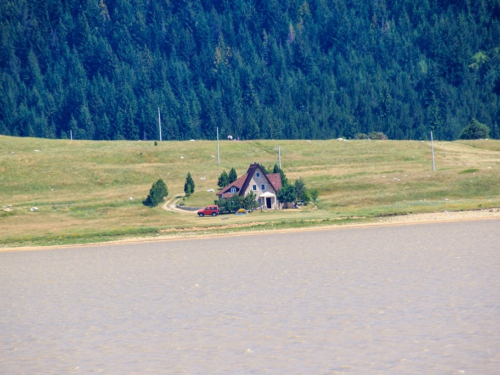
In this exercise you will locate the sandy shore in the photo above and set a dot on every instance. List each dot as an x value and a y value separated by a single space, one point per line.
491 213
433 217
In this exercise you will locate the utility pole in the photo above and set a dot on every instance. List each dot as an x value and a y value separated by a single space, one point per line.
279 156
159 121
218 157
432 148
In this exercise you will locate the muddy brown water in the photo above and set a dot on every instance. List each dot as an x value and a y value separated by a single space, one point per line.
416 299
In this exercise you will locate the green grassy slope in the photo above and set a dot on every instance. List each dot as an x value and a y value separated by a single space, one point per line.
93 191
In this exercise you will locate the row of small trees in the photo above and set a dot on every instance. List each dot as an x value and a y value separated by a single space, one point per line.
297 192
236 202
373 135
227 179
474 130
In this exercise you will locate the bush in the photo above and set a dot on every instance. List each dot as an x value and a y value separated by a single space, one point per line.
314 195
361 136
236 202
379 136
301 191
286 194
475 130
250 202
157 192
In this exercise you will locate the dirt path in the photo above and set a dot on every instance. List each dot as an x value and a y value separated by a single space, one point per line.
171 205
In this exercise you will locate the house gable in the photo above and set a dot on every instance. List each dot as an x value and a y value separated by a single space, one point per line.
254 180
257 181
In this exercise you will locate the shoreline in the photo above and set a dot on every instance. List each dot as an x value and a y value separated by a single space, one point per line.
396 220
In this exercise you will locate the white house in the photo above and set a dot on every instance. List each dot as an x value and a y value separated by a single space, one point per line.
264 186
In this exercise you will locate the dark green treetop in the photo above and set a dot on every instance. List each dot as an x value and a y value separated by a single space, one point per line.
189 185
157 192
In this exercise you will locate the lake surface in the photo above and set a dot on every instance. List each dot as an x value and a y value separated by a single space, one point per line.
416 299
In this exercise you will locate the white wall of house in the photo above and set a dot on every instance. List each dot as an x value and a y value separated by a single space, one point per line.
259 184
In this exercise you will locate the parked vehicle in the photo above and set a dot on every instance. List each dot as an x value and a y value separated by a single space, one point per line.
209 210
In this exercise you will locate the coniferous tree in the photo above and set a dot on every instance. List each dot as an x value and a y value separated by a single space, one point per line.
232 176
189 185
313 69
284 179
301 191
287 194
223 180
157 192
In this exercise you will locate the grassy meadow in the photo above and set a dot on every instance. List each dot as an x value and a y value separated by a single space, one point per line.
88 191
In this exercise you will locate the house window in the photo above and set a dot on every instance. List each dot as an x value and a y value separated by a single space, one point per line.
254 187
260 200
263 187
233 190
257 174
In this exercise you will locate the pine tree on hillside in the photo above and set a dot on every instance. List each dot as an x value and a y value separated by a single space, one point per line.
157 192
189 185
310 69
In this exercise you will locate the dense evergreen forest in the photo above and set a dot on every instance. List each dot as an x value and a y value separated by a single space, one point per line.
254 68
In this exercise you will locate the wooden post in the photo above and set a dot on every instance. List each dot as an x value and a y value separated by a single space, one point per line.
432 148
218 157
159 122
279 156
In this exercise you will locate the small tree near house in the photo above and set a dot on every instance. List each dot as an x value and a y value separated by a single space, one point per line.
189 185
157 192
314 195
284 179
287 194
232 176
301 191
223 180
250 202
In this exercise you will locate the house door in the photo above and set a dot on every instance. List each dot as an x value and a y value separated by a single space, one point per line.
268 203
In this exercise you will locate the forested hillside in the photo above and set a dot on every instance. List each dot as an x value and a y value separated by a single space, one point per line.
254 68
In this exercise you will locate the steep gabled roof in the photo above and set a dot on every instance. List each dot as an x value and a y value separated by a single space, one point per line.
237 184
251 171
275 180
242 183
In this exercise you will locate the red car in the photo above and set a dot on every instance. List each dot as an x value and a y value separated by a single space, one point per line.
209 210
